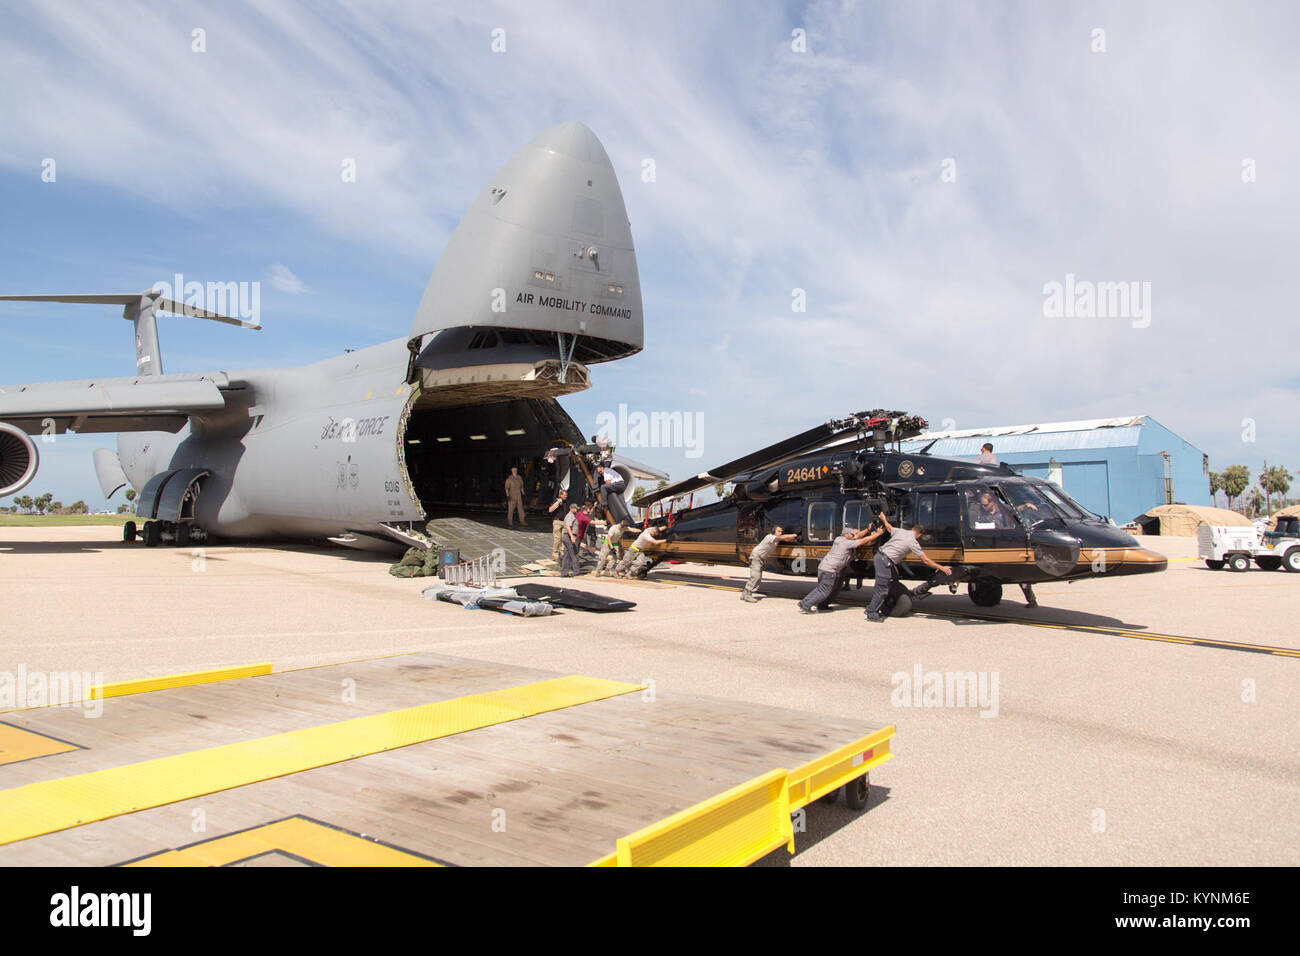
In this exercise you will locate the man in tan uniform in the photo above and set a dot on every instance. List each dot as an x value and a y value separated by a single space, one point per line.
515 498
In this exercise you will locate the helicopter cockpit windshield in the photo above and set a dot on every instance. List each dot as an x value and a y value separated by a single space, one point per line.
1063 503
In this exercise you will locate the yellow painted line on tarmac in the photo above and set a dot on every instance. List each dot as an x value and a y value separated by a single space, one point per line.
51 805
147 684
301 837
1122 632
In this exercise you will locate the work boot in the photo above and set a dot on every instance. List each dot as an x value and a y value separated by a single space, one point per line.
875 618
748 598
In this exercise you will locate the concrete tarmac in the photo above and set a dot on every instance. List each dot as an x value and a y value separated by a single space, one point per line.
1101 740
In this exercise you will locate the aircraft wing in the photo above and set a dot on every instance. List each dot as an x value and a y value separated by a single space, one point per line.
138 403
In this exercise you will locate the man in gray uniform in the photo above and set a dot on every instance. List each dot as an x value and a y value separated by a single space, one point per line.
761 553
569 562
901 544
831 568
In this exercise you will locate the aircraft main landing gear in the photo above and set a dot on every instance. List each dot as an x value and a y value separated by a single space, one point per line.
128 531
985 593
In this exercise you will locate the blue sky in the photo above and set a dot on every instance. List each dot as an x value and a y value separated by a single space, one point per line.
775 170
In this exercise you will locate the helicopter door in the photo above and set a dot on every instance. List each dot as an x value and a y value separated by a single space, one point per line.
944 535
821 522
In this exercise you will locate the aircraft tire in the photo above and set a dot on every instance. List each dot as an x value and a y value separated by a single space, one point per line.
857 792
1238 562
1268 562
985 593
128 531
182 536
1214 565
902 606
1291 560
152 534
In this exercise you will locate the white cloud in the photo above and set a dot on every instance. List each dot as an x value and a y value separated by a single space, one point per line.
775 170
282 279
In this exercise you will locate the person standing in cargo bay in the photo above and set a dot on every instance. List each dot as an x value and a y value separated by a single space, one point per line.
514 498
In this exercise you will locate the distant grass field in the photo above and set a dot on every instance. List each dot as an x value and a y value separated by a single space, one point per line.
61 521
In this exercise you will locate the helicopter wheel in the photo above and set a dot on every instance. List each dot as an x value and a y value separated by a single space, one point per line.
985 593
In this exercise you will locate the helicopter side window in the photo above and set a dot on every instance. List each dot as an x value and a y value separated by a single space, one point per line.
907 511
925 514
858 514
986 511
821 521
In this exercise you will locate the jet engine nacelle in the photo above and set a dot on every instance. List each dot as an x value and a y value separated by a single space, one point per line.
18 459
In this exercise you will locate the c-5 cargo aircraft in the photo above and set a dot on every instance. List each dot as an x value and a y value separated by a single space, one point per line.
538 282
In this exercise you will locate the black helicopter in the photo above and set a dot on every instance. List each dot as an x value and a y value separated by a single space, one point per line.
992 526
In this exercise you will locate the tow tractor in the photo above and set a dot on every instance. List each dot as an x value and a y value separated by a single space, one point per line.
1234 548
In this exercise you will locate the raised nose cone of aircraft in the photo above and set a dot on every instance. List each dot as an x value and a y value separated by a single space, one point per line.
546 247
576 140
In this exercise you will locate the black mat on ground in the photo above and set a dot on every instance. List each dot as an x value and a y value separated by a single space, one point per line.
569 597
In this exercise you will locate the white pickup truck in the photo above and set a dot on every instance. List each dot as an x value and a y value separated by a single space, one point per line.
1234 548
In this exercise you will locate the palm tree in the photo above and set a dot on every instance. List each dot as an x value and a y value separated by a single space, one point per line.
1275 479
1216 485
1235 478
1256 502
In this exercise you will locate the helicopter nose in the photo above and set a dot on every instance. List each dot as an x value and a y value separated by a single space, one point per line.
1126 560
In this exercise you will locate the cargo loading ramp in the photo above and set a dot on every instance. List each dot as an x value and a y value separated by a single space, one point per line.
414 760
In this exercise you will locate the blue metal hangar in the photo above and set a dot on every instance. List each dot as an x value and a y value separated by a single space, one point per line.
1117 467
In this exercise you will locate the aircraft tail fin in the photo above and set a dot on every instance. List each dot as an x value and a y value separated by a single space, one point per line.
140 308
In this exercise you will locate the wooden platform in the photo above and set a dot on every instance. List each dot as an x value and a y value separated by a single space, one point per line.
414 760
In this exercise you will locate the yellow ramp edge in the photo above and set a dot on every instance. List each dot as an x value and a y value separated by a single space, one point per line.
146 684
308 839
17 744
831 771
747 822
734 828
52 805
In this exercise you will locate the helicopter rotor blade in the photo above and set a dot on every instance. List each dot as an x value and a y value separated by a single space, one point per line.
810 440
